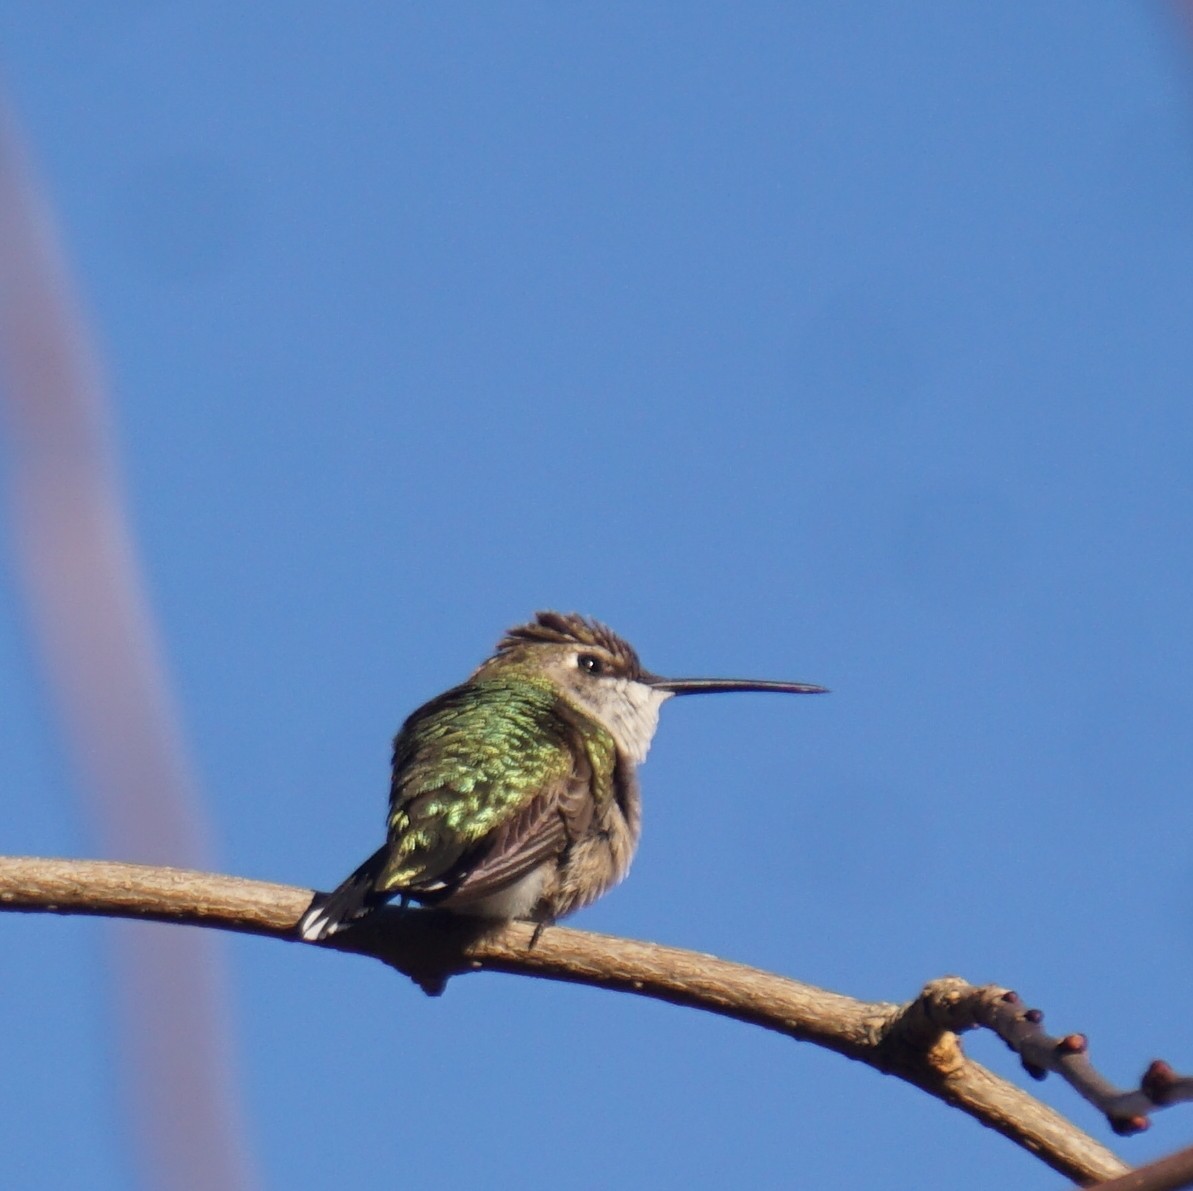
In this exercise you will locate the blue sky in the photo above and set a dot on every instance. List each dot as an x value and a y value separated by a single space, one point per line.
838 343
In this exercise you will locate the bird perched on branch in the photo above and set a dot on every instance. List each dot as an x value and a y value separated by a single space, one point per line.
514 795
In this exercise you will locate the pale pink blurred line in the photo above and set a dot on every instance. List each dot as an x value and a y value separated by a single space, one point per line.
102 657
1184 10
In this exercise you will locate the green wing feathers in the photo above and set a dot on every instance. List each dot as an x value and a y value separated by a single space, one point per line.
493 776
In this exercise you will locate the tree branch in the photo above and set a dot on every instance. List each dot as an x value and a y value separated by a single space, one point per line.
1165 1174
915 1041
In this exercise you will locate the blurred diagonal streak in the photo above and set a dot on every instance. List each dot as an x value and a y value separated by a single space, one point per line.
100 652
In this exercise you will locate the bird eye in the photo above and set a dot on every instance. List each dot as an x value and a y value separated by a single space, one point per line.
590 663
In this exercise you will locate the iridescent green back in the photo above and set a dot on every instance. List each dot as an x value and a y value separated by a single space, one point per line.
467 762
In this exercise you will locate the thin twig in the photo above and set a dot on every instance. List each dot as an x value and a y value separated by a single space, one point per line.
962 1007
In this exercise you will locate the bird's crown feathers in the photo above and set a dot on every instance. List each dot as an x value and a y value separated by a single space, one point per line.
570 628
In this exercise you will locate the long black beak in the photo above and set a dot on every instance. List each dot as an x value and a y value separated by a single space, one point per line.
714 686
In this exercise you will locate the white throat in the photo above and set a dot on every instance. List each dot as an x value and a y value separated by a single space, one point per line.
632 715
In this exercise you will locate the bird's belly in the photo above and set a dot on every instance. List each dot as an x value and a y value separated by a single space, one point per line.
514 901
591 868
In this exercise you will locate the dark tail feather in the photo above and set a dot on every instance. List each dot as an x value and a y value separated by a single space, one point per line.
352 900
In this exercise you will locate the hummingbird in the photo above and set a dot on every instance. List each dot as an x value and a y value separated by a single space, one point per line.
515 794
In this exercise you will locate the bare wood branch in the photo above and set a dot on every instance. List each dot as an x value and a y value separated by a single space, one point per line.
1165 1174
915 1041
